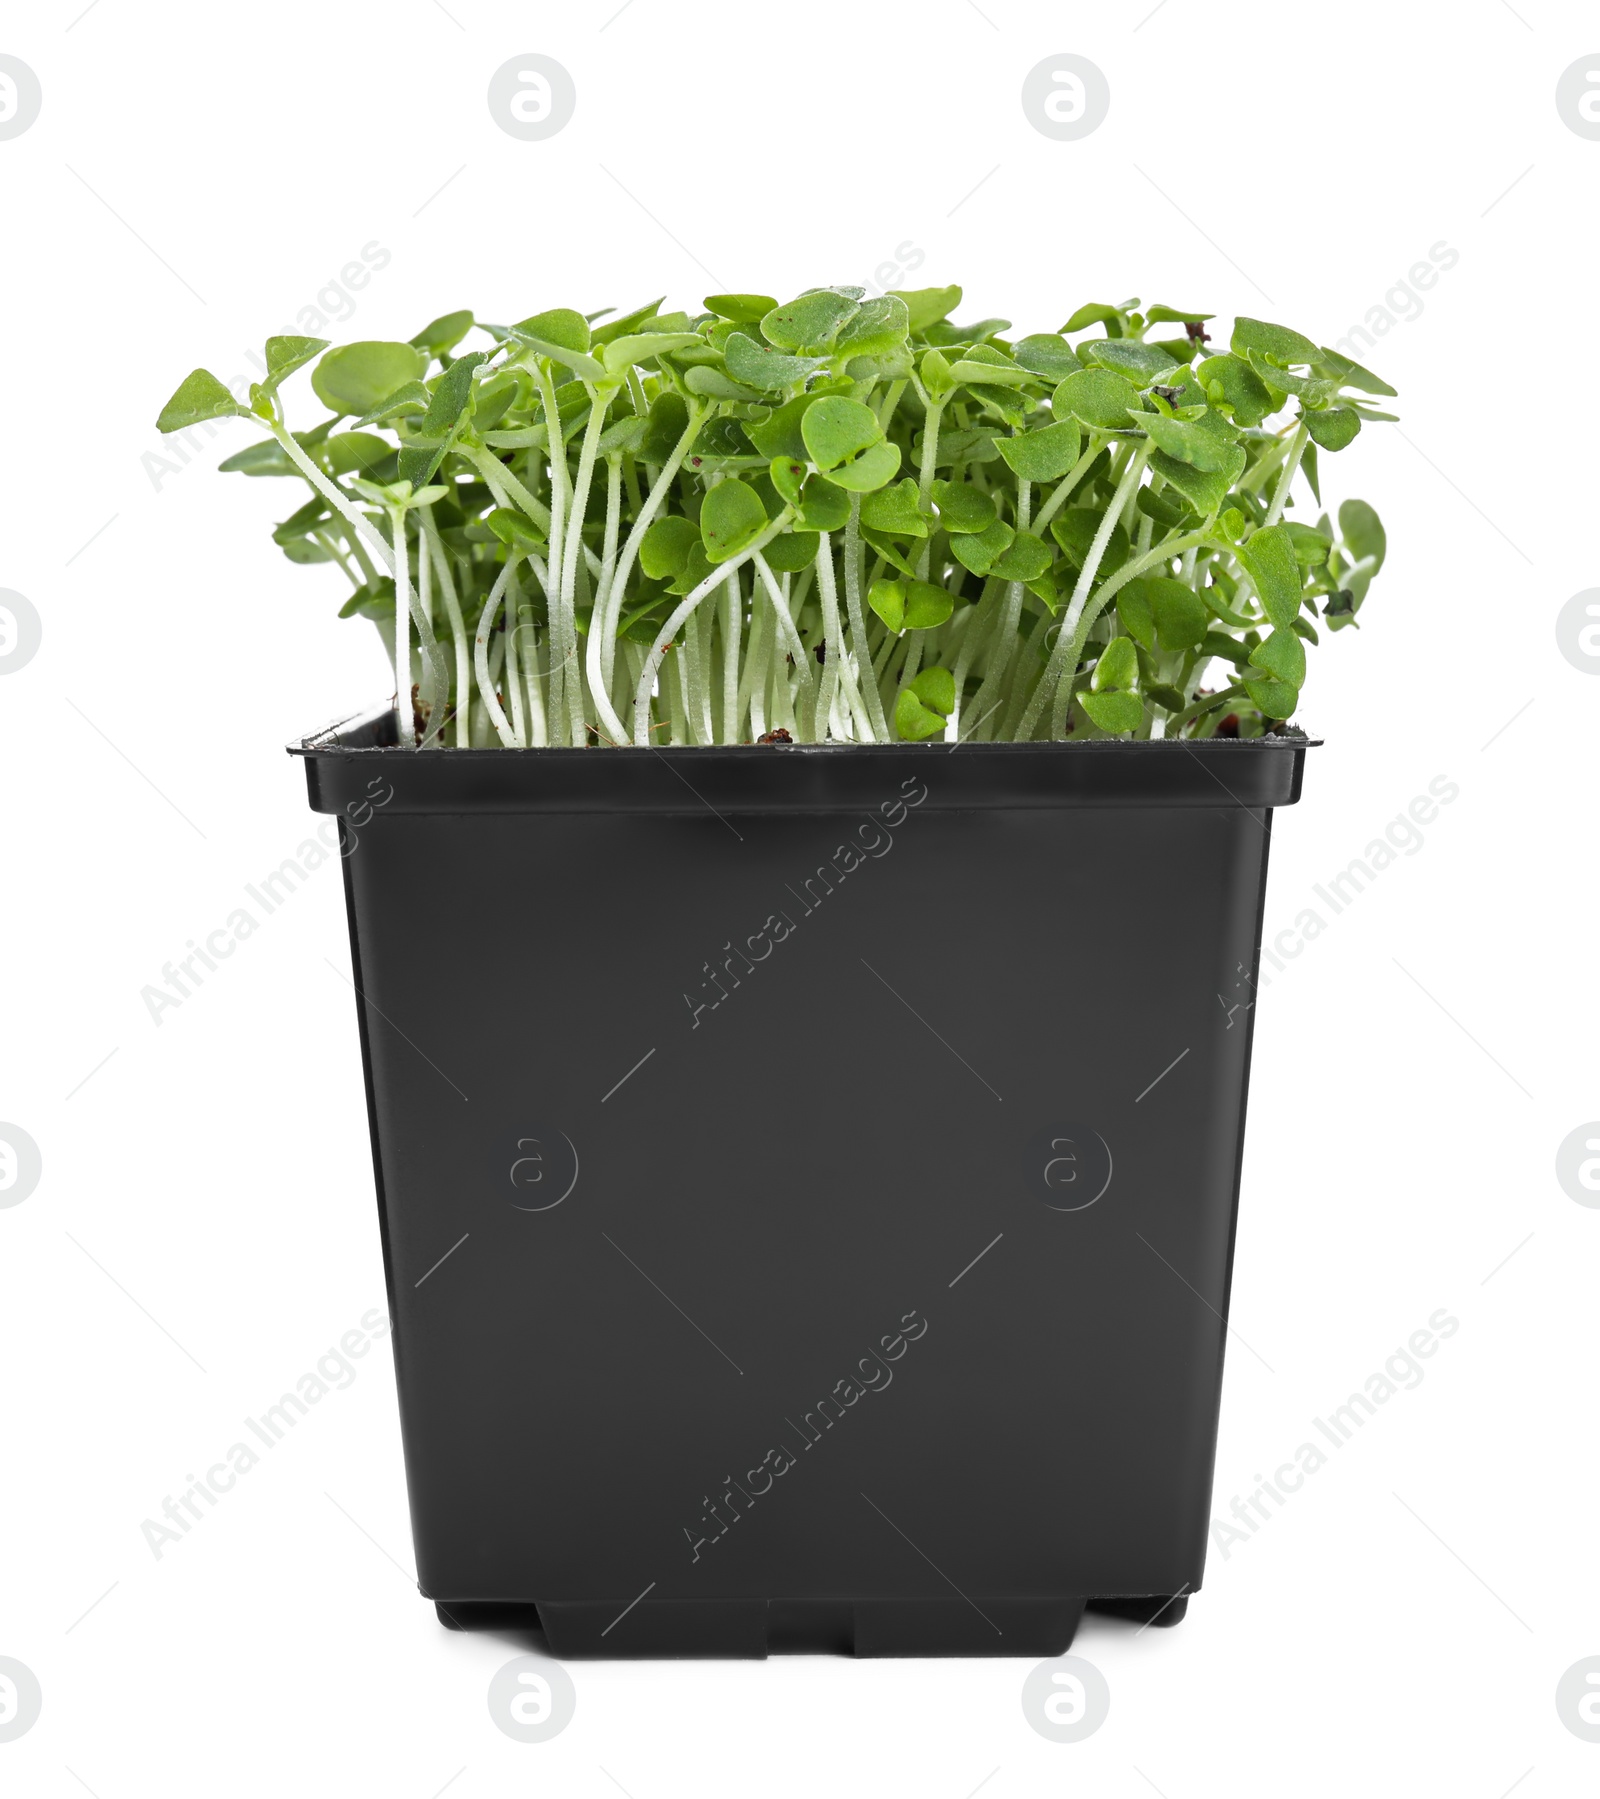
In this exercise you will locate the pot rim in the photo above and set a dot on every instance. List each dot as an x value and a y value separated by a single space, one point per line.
334 740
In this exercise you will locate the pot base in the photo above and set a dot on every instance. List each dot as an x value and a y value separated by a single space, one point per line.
749 1629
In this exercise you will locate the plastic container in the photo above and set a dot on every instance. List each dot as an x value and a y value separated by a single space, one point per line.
807 1176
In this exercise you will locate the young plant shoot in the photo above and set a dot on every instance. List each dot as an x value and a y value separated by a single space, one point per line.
841 519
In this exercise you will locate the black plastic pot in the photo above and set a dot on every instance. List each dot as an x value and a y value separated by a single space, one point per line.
807 1176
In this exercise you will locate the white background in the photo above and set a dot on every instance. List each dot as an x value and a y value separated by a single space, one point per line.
198 173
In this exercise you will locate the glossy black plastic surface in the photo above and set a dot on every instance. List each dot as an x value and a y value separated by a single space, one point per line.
807 1178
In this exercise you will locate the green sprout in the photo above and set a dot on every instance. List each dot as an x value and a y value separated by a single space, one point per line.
838 520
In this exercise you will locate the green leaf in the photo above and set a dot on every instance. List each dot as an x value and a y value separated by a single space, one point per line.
1001 372
447 413
561 326
696 566
630 322
936 688
731 518
927 606
624 435
666 545
308 518
1114 712
823 507
871 469
410 401
1308 468
888 600
1231 382
1276 699
1362 531
1141 363
1043 455
1075 529
912 720
668 420
515 531
877 327
1275 341
620 354
1351 374
1047 355
779 434
1283 655
1226 649
810 324
1025 558
1138 620
1313 390
562 335
640 623
895 510
743 309
836 429
977 550
306 549
1204 491
768 370
441 335
1086 316
713 384
351 450
200 396
976 334
935 374
264 458
963 446
286 354
1100 397
1204 443
374 601
1180 614
356 378
791 551
1162 507
1333 429
1270 561
926 306
1311 546
1118 667
962 508
788 477
1169 315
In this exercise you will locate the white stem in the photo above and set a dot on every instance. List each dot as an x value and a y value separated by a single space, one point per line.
334 495
1297 449
858 624
599 405
684 609
403 718
832 638
1056 684
613 595
558 520
519 714
594 649
732 619
788 635
480 653
458 629
1062 491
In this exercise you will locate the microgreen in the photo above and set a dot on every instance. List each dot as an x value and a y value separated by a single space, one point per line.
846 519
